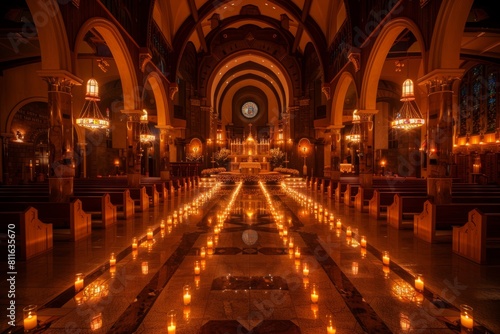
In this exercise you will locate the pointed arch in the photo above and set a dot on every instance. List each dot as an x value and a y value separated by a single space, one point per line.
378 55
345 80
52 35
121 55
157 85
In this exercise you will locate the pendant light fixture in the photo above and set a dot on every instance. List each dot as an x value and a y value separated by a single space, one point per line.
409 116
355 135
90 116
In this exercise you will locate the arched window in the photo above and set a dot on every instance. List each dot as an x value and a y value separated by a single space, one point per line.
478 101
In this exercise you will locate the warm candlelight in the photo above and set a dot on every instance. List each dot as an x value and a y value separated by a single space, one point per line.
145 268
171 322
305 281
386 260
354 268
96 322
210 242
203 252
134 244
290 244
305 270
197 268
297 252
112 260
314 293
169 220
162 224
186 294
363 241
112 271
150 234
134 254
30 317
348 231
466 318
330 329
386 271
419 283
363 253
339 224
197 281
78 282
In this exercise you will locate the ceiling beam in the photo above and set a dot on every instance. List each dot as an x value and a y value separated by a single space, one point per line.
199 30
305 12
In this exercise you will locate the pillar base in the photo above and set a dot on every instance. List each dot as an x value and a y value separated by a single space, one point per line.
134 180
366 180
165 175
60 189
439 189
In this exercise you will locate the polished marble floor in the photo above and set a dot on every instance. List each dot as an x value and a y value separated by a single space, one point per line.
252 281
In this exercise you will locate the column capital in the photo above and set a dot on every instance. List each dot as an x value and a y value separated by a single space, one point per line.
165 128
132 112
440 76
173 88
62 75
326 89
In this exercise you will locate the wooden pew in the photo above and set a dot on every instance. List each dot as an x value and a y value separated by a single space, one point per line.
32 236
119 198
382 198
141 198
361 200
339 192
479 239
154 195
350 193
400 213
69 220
100 207
434 223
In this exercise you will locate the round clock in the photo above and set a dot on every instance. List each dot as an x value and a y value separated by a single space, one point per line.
249 109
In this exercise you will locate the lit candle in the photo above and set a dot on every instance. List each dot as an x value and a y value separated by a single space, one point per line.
386 271
150 234
348 231
290 244
210 242
30 317
297 252
187 294
363 241
145 268
169 220
162 224
196 268
134 244
305 270
339 224
171 322
386 260
419 283
203 252
112 271
330 329
354 268
314 293
78 282
112 260
466 318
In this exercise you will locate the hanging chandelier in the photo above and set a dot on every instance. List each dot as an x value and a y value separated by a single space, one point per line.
146 136
409 117
355 135
91 117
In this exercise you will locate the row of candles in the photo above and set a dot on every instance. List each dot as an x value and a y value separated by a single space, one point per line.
296 252
199 265
466 318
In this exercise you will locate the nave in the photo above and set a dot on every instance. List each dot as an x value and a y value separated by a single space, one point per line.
253 282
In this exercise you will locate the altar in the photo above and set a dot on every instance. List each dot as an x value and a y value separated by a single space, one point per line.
249 156
250 167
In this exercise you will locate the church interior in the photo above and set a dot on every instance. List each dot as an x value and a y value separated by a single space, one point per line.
236 166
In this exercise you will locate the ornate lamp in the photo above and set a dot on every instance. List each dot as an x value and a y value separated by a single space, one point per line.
355 135
91 117
409 117
146 136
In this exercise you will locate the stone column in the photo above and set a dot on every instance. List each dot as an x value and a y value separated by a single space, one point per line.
440 132
335 150
366 152
134 149
165 139
61 150
83 159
